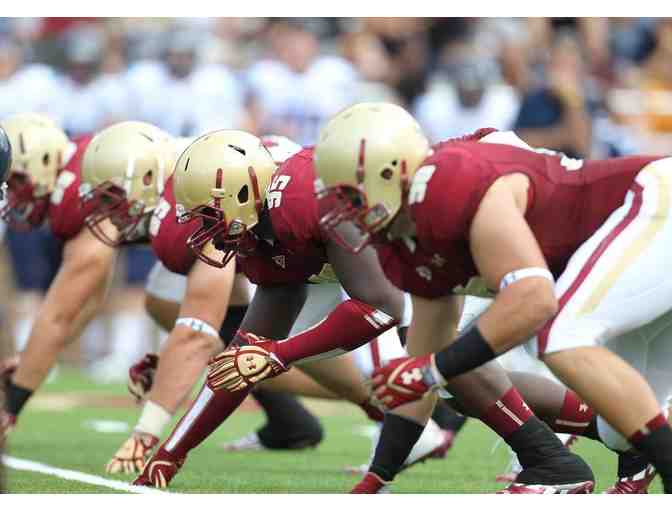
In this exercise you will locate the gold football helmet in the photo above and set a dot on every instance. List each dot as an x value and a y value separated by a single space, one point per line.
221 179
39 150
124 170
365 159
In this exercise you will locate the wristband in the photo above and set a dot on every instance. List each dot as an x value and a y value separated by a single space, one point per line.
197 325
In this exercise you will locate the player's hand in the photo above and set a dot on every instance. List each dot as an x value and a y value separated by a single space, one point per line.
403 380
242 366
373 408
133 454
141 376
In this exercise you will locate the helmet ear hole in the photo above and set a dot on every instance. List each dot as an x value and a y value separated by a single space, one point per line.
147 178
46 159
244 194
387 173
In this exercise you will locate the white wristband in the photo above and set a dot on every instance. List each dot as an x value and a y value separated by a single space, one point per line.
197 325
528 272
153 419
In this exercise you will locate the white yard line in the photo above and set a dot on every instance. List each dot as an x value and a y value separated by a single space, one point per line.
67 474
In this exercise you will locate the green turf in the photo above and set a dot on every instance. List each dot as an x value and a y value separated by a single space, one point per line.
59 438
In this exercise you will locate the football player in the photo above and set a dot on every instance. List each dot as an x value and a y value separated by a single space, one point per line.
5 164
220 182
575 251
43 185
127 196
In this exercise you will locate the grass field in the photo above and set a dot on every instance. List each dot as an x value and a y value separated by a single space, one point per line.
56 429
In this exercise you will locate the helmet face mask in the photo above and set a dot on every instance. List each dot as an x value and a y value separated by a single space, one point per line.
124 169
348 204
25 208
215 230
40 148
220 180
108 201
364 160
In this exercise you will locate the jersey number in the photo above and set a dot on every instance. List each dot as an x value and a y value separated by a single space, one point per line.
419 184
65 179
274 195
160 213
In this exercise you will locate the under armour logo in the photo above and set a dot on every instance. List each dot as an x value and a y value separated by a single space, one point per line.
279 260
411 376
583 408
424 272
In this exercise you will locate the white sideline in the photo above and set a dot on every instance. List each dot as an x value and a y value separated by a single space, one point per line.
67 474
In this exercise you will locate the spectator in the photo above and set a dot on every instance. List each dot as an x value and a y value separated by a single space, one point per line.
182 96
554 114
294 90
93 99
465 94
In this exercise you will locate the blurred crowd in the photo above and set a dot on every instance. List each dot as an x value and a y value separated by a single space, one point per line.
591 87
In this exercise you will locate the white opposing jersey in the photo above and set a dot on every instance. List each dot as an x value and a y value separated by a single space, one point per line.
297 104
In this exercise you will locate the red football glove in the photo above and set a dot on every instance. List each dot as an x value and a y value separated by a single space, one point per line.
403 380
241 366
373 409
141 376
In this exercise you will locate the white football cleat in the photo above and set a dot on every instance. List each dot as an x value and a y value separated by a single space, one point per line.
434 443
250 442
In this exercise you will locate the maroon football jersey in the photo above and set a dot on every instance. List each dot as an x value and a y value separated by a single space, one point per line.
66 217
296 253
168 237
568 200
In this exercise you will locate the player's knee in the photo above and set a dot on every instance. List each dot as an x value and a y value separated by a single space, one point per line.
203 344
542 303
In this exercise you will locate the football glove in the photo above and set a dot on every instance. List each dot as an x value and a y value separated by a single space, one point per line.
241 366
141 376
133 454
403 380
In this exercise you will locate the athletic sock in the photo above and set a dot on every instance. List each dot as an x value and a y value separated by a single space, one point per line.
447 418
631 463
16 397
507 414
397 439
206 413
654 440
288 423
544 458
574 417
591 431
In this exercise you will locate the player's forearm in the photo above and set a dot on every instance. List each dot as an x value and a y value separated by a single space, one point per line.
182 361
350 325
46 341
